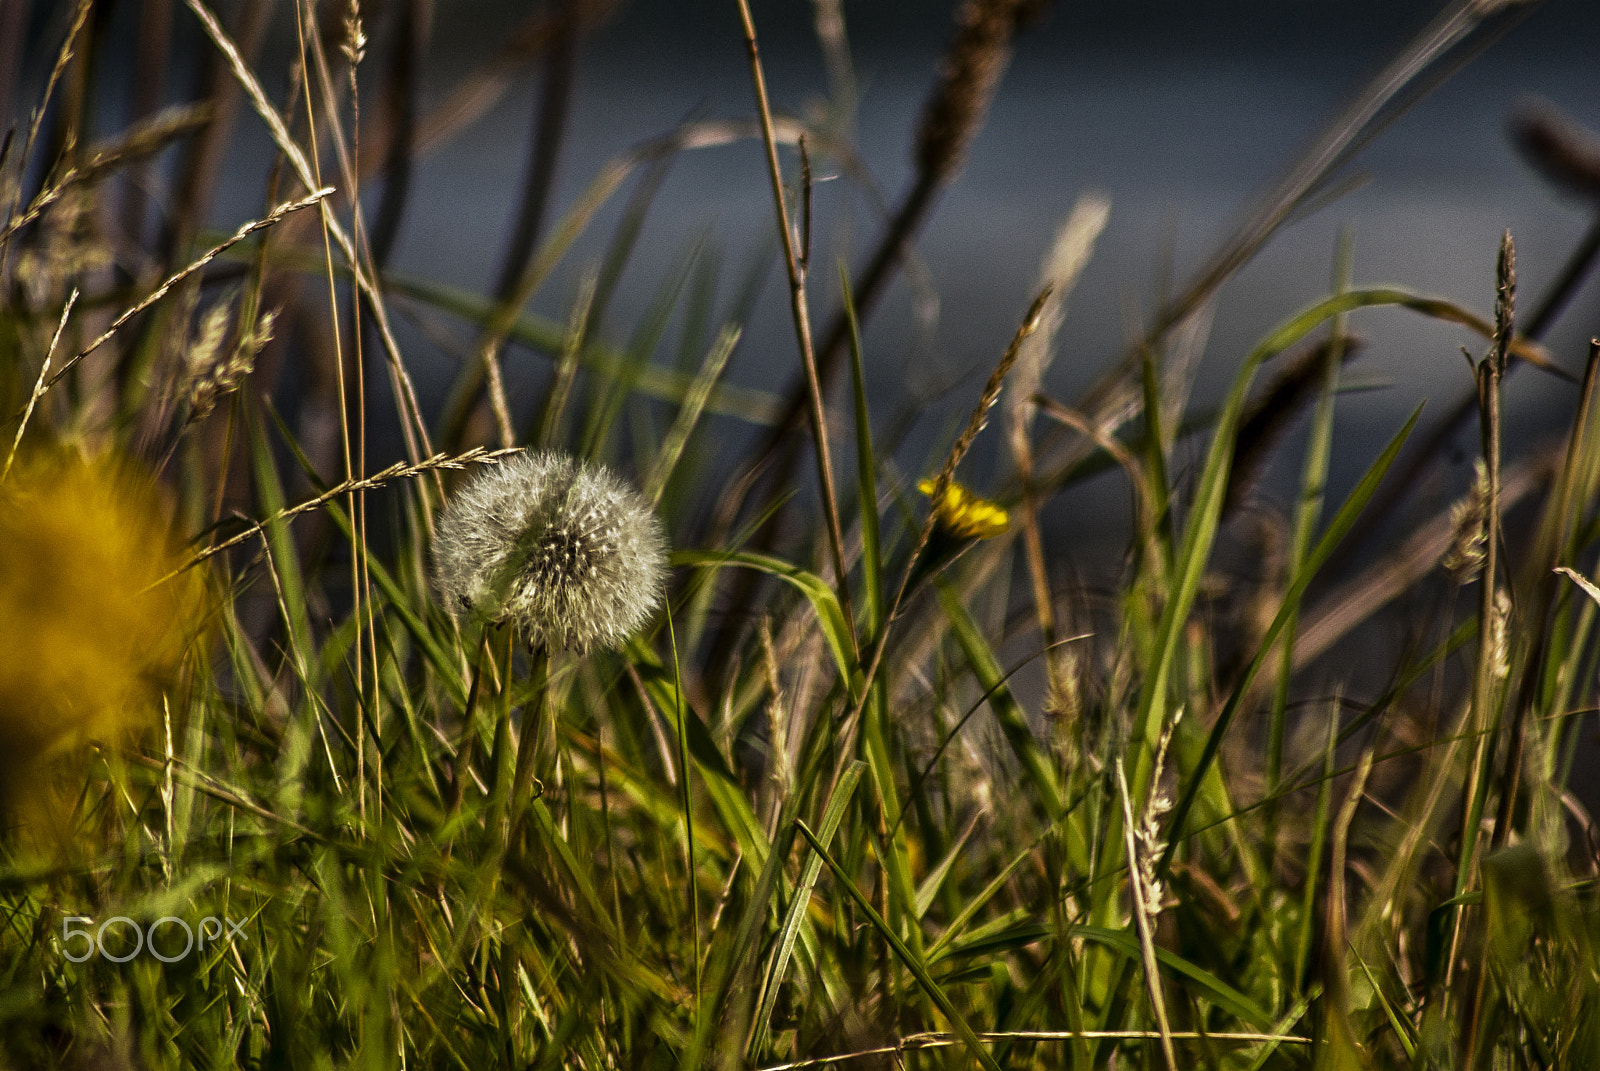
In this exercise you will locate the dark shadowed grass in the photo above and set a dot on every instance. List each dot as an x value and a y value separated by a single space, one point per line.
887 786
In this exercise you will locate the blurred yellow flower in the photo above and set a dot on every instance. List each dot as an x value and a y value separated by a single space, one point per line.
964 514
88 637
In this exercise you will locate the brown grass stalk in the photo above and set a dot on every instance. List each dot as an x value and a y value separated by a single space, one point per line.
941 483
969 75
40 385
1064 264
544 142
398 471
413 427
935 1039
1486 710
802 323
211 254
148 137
80 15
1552 556
1336 1016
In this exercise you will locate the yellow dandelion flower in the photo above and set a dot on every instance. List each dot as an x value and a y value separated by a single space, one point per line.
964 514
88 638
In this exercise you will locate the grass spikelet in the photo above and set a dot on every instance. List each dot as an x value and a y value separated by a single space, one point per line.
208 374
991 393
1464 560
977 56
1566 152
1069 255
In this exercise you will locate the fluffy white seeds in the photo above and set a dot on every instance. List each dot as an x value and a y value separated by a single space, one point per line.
565 551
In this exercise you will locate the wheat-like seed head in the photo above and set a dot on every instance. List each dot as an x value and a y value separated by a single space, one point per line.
565 551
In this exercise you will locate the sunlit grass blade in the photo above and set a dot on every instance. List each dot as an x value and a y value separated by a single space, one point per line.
835 629
694 404
1336 530
1013 721
610 395
1308 512
917 968
832 815
1207 985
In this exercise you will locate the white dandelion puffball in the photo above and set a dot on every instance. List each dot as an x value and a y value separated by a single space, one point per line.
565 551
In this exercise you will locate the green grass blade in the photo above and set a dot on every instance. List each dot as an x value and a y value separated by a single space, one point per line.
1308 513
838 802
1397 1025
835 629
970 909
647 335
694 404
1337 529
1008 712
1319 837
936 877
1206 984
398 599
866 469
918 969
545 335
285 556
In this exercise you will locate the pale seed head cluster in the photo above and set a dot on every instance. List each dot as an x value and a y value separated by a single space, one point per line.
1468 521
1148 834
1500 635
564 551
209 373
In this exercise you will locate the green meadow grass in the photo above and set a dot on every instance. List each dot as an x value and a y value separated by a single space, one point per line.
881 788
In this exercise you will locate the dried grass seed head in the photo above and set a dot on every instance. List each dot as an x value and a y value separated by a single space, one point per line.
1469 527
565 551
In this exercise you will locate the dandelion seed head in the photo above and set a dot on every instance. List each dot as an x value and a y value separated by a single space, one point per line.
565 551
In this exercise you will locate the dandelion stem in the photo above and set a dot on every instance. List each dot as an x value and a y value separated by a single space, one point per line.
534 716
469 733
688 808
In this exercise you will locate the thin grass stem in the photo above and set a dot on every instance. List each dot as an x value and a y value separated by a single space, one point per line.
801 314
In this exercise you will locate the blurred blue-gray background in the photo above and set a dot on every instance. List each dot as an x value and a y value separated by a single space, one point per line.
1181 114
